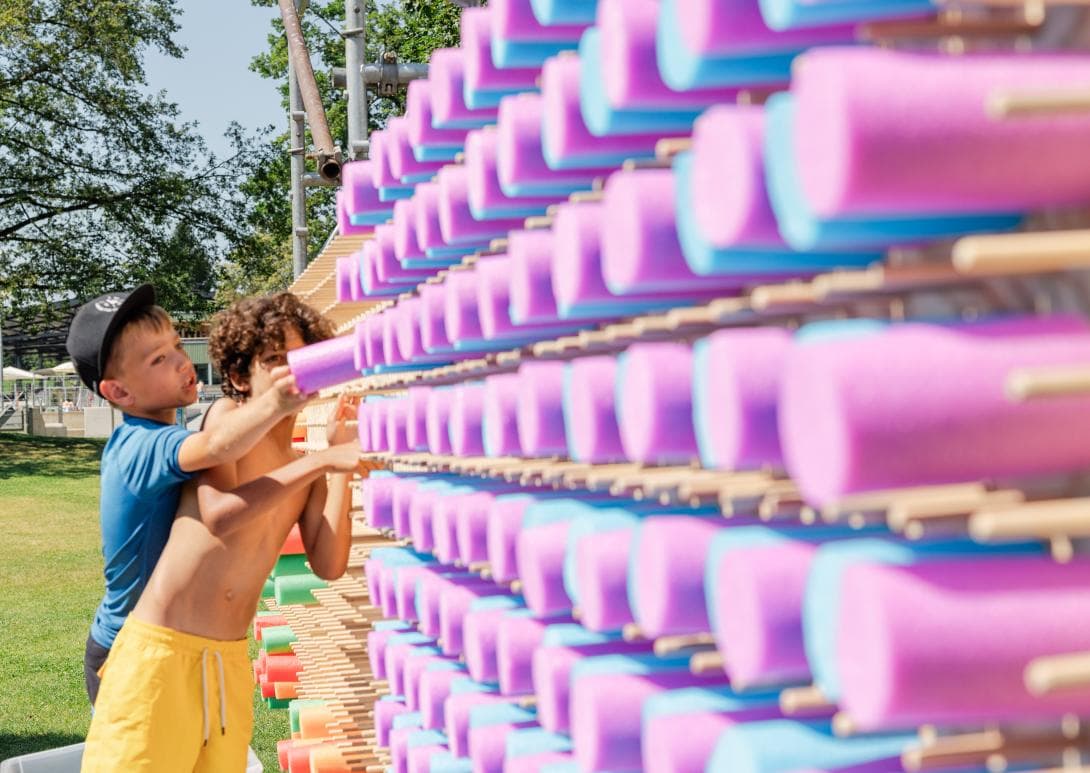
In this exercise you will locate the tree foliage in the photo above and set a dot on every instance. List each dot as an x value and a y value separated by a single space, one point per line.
101 184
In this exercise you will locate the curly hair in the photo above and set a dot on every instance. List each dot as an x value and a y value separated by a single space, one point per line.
247 327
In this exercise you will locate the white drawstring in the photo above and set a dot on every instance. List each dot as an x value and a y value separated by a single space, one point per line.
204 692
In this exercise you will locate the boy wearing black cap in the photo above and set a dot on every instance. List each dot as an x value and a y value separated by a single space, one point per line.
125 349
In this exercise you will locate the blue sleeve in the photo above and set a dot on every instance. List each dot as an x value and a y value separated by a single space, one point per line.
151 464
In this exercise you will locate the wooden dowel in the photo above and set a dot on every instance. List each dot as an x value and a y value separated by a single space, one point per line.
804 700
1053 673
1036 520
1037 383
1022 253
1018 103
945 504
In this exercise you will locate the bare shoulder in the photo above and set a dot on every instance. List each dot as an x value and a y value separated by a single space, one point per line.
219 409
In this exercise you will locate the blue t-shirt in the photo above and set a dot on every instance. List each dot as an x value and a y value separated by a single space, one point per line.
141 485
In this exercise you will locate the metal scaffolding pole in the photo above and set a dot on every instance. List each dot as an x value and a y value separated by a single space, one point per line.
382 75
297 129
355 38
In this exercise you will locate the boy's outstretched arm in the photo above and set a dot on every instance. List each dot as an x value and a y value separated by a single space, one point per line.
324 525
238 428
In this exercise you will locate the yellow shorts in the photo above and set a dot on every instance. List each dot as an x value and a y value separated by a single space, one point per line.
171 701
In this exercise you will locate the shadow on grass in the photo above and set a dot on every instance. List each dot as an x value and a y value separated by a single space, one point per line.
22 455
12 745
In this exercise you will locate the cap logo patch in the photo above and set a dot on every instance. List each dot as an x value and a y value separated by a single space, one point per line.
110 303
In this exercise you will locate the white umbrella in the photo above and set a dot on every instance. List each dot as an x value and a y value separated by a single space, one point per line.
65 367
17 373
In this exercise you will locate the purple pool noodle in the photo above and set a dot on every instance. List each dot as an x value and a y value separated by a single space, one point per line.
416 425
460 316
516 639
396 656
355 280
479 635
344 278
481 75
396 417
453 605
399 748
654 403
324 364
667 582
437 415
378 500
564 135
391 318
420 757
499 420
379 263
387 597
552 667
457 709
429 593
485 193
404 488
758 618
504 523
494 304
471 524
372 340
363 426
434 689
606 714
630 70
421 512
843 401
540 558
359 355
660 750
405 245
540 410
730 200
950 640
408 330
377 416
601 577
410 676
590 411
405 590
640 248
426 211
385 711
531 291
369 281
465 420
446 73
360 193
381 175
736 388
403 165
948 154
520 160
344 224
488 744
433 326
372 577
444 538
418 117
515 20
456 222
716 28
536 763
376 650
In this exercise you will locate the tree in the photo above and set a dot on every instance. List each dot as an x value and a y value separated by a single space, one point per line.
412 29
99 181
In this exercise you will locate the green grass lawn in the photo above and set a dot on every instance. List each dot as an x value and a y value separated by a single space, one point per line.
50 583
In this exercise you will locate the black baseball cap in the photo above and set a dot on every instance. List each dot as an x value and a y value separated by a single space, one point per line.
96 323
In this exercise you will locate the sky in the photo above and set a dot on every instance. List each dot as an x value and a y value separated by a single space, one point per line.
213 84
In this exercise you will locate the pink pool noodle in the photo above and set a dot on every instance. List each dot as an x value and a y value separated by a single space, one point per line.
499 419
433 327
640 248
471 525
515 20
391 318
465 420
376 650
363 427
381 175
606 713
344 224
404 488
372 340
405 244
654 408
418 117
360 193
494 304
843 401
564 134
385 711
416 426
601 576
400 152
540 409
590 411
487 745
344 278
948 154
480 73
456 222
426 216
531 278
405 590
715 28
396 657
437 415
660 750
520 159
504 524
395 242
430 593
445 543
454 603
737 397
485 193
446 73
462 321
535 763
421 512
355 280
378 499
410 341
516 639
457 709
729 197
480 632
377 417
630 70
420 757
399 748
552 667
951 640
324 364
759 592
540 558
410 676
396 418
434 689
671 553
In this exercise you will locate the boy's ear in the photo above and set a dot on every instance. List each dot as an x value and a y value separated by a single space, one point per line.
241 385
115 392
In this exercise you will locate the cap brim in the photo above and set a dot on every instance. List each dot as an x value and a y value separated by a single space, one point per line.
140 298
